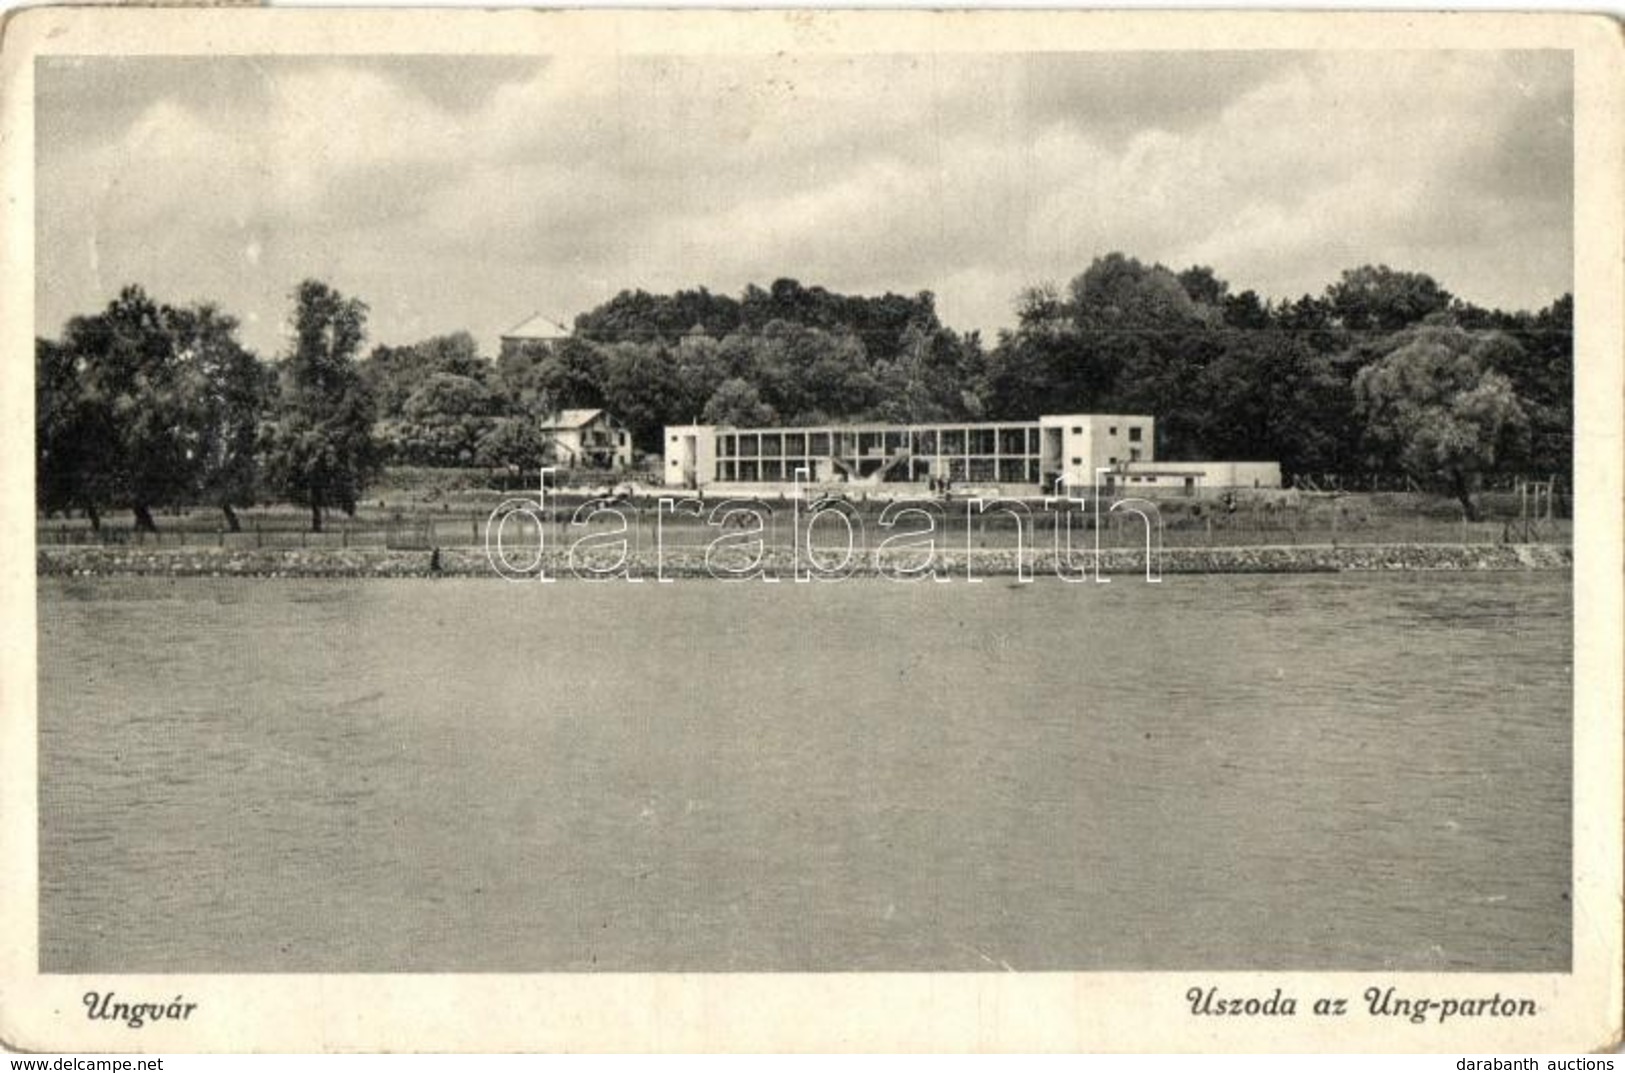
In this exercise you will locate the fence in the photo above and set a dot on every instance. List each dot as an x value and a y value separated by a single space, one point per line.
440 533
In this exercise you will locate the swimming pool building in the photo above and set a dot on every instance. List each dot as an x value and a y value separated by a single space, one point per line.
1025 457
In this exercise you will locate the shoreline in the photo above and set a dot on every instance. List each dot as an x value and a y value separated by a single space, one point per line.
356 563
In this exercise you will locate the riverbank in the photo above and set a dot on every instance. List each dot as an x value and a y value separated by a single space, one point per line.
95 561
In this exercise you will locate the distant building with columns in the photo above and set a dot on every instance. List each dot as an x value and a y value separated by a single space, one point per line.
537 330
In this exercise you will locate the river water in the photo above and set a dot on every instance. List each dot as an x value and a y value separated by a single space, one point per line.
1319 772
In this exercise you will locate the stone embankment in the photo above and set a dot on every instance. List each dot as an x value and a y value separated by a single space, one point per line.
92 561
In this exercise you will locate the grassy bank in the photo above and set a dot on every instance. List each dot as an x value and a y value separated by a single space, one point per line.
416 509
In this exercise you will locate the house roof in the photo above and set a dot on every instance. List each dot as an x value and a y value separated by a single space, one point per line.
571 419
538 327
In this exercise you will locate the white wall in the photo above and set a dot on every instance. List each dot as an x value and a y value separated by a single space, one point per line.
674 444
1213 475
1099 441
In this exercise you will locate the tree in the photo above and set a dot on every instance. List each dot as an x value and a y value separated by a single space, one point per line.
1268 394
1541 368
1379 298
737 402
129 403
568 375
641 317
75 447
443 421
1548 383
1033 370
1246 310
1204 286
1444 415
699 368
226 390
938 376
818 373
147 404
517 376
319 448
1125 337
881 323
1118 291
1311 319
392 374
640 388
514 444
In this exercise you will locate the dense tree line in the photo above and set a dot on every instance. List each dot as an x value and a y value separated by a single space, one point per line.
145 405
790 354
1384 371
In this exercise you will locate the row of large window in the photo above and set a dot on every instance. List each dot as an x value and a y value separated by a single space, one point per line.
1012 440
1000 470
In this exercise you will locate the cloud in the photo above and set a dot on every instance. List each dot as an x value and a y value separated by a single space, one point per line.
465 193
1114 96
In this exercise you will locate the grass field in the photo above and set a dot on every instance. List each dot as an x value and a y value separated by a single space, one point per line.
451 508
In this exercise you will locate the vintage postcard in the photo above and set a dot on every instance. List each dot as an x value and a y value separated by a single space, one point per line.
796 530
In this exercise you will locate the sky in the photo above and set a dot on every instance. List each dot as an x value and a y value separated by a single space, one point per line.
468 193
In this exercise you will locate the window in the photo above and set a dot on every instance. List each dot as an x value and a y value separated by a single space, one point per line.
1112 461
1133 454
1076 431
1112 431
1077 461
674 439
1133 434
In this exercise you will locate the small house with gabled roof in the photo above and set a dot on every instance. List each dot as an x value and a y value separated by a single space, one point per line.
588 438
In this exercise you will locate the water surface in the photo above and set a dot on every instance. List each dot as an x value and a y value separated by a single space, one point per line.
1314 772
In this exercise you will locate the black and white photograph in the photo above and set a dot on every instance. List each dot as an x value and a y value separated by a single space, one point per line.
827 502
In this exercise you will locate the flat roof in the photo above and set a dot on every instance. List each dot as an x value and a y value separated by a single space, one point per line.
919 426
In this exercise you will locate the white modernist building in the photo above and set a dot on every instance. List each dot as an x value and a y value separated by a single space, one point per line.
1017 457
